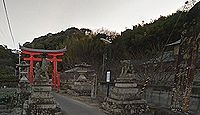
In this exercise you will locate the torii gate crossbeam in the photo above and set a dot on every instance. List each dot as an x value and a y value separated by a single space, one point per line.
54 59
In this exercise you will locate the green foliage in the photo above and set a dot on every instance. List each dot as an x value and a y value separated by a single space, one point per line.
8 78
7 96
7 61
151 38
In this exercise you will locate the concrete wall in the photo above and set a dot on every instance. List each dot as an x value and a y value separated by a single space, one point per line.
163 99
157 98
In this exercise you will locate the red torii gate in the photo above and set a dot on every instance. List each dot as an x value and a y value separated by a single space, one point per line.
33 52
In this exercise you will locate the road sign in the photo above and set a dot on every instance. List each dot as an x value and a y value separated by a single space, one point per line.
108 76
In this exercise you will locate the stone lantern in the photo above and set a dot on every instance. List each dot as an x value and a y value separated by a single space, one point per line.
23 69
23 76
24 84
82 85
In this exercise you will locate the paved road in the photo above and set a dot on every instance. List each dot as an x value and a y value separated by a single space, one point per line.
73 107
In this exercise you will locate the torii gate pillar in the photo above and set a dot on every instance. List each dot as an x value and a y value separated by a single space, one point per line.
54 59
31 59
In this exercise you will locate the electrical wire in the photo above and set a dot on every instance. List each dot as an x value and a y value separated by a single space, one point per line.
184 7
3 27
8 21
173 29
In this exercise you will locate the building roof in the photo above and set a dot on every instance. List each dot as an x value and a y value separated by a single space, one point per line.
83 65
174 43
23 64
77 69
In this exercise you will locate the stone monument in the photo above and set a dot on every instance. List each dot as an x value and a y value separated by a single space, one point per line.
41 101
82 85
124 98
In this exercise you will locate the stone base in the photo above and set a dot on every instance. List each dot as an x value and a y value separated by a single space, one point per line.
118 107
41 101
125 99
82 88
124 93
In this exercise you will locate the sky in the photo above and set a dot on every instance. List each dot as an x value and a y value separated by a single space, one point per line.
33 18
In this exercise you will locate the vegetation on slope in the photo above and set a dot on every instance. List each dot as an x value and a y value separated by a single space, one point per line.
142 41
7 64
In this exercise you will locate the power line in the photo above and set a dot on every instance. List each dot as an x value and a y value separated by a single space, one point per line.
174 27
8 21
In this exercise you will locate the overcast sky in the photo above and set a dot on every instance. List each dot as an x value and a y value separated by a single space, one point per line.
33 18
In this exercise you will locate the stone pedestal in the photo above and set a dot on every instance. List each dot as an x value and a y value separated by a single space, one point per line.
124 98
82 85
41 101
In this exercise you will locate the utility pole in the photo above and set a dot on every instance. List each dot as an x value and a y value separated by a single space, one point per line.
108 73
19 56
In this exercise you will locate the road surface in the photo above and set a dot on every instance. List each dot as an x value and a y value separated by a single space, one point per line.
73 107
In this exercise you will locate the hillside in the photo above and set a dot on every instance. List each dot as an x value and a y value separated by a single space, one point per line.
7 64
142 41
7 61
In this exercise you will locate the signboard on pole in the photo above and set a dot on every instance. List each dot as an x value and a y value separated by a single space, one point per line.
108 76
